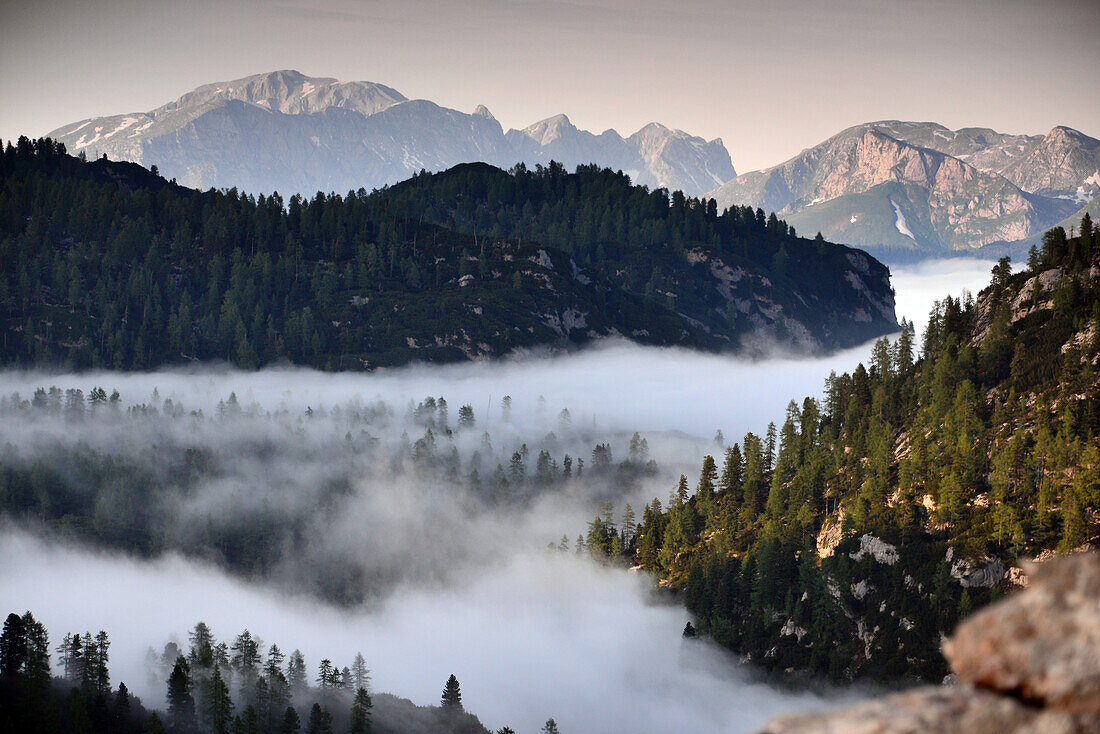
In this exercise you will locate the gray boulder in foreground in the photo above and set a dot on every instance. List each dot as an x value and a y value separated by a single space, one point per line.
1029 663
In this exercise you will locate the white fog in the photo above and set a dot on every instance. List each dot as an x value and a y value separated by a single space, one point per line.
529 633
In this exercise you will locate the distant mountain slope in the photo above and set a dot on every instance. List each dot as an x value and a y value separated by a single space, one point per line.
287 132
910 190
103 263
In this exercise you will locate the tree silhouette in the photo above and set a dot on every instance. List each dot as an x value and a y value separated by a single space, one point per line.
452 695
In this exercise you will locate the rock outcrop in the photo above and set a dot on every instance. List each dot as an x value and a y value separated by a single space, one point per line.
1041 646
1030 663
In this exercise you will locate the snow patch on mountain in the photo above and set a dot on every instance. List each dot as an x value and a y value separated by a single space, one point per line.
900 223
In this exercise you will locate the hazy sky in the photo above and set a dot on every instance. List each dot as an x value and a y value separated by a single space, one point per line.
770 78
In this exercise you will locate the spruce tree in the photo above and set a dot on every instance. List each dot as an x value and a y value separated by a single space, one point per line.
181 704
360 712
320 721
291 724
217 705
36 664
13 646
452 695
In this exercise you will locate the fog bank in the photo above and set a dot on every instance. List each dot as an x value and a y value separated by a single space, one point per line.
546 635
918 285
616 385
344 477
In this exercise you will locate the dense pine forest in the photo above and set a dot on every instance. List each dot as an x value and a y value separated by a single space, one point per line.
654 244
848 540
107 265
210 687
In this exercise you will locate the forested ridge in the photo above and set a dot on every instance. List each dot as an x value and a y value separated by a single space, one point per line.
847 541
724 269
106 265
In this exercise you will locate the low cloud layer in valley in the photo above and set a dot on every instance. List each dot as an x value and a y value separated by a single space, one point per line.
365 528
546 635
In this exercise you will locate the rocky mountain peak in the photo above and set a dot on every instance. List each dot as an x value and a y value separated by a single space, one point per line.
287 131
655 134
547 131
290 92
1065 163
483 111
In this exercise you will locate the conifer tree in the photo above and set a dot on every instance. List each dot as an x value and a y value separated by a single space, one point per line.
181 704
291 724
36 664
320 721
452 695
360 673
361 712
13 646
296 673
217 709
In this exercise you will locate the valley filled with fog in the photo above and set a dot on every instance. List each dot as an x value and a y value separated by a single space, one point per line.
343 512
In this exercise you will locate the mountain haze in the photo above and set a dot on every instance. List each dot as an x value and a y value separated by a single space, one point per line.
284 131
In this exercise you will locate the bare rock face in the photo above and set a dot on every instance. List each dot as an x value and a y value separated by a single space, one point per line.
921 187
930 709
1028 664
1043 645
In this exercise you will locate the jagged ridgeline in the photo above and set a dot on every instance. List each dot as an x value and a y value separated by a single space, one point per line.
105 264
848 541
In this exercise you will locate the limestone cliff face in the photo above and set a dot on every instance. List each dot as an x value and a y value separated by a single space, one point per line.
1064 162
922 188
293 133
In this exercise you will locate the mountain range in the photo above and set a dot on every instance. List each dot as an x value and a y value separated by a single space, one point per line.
287 132
903 190
914 189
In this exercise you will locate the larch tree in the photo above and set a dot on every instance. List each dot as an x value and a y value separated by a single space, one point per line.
360 672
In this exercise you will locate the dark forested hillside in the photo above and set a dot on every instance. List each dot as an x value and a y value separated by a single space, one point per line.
735 272
105 264
850 539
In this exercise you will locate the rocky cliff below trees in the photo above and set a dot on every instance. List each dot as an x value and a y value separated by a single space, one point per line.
850 540
1029 663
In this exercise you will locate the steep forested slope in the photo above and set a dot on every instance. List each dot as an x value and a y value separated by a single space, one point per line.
105 264
850 539
735 273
